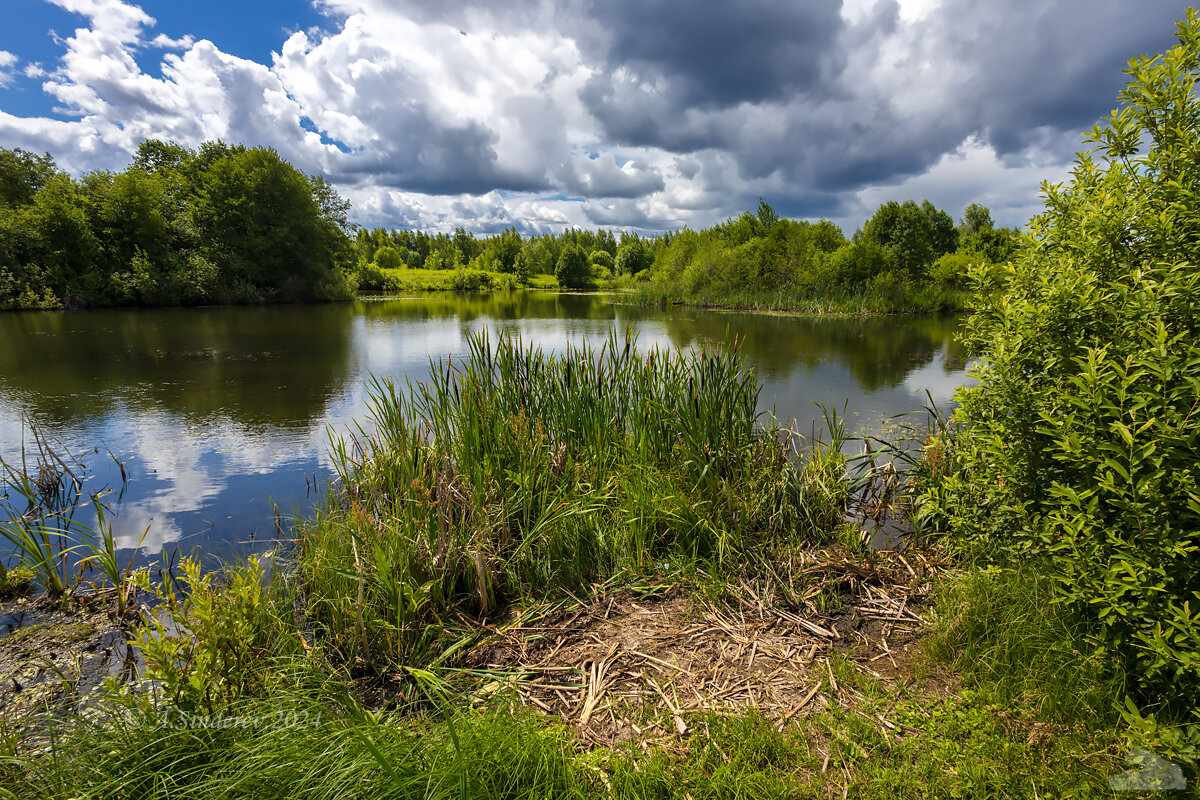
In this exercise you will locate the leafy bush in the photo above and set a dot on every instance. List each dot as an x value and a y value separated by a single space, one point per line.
388 257
633 257
470 280
857 263
602 259
1079 447
370 277
951 271
215 640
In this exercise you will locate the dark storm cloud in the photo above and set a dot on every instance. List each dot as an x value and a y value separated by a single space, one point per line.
665 59
715 53
626 214
1018 74
423 156
1038 64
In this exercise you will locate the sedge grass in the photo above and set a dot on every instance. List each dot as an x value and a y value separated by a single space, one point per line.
42 533
47 536
517 473
1002 629
831 301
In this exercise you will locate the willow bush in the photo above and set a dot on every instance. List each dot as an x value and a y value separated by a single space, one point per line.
1078 447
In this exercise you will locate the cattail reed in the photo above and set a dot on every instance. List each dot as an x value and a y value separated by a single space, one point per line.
514 471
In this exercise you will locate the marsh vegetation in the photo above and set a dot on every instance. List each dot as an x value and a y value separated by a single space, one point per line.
603 572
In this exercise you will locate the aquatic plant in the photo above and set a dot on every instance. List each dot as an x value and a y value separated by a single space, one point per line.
516 472
48 537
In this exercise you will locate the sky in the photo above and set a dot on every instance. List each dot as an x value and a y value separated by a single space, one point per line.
629 114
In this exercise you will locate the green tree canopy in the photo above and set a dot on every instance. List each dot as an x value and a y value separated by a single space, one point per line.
603 259
975 218
388 257
573 270
633 256
261 221
915 235
222 223
21 174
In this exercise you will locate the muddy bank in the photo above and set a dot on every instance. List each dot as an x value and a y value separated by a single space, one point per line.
52 658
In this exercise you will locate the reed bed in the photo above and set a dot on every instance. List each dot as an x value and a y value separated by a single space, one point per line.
831 301
516 473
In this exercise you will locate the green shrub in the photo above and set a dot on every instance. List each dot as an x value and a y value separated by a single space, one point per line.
388 257
470 280
215 640
1079 447
371 277
857 263
602 259
950 271
633 257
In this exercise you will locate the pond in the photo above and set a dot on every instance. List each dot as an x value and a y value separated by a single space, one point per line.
221 416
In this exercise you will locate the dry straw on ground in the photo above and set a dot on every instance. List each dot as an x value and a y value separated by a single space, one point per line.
620 668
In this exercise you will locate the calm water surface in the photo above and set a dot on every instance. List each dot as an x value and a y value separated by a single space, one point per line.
222 414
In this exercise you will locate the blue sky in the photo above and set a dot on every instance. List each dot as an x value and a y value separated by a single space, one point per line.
644 114
34 29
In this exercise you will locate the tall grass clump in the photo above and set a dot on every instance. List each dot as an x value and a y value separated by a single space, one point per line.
1001 629
39 504
517 472
40 507
1078 451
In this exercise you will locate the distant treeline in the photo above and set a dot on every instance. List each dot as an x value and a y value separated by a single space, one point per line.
905 251
231 224
221 224
580 259
905 256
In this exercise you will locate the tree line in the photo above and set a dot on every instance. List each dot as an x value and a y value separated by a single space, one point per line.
578 258
762 259
901 247
230 224
219 224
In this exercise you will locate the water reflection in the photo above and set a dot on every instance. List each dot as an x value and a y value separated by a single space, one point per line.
256 366
220 414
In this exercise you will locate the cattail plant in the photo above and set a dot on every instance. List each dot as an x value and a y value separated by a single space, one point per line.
514 471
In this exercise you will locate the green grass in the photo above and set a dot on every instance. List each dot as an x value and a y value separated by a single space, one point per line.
889 741
517 474
836 301
985 712
425 280
1003 630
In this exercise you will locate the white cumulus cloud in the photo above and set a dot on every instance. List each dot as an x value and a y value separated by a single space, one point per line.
647 114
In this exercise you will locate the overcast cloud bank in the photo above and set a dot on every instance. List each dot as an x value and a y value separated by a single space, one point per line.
647 115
